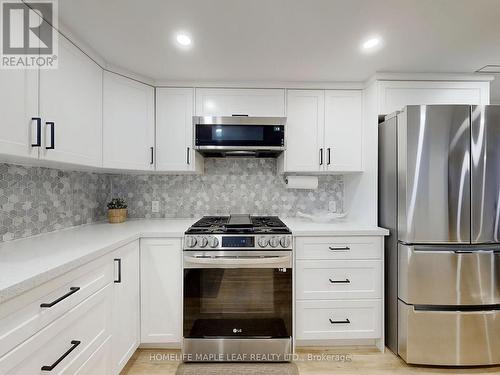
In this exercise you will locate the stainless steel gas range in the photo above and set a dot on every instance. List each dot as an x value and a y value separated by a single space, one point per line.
237 289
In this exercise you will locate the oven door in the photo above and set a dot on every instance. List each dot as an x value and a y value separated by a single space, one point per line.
237 295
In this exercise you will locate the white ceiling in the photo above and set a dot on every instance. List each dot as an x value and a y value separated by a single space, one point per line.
287 40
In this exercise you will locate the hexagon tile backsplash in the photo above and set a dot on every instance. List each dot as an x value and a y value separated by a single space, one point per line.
35 200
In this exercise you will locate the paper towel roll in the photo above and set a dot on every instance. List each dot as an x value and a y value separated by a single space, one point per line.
302 182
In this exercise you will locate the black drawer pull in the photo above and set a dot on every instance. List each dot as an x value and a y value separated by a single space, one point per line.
74 344
119 262
345 248
38 132
72 290
320 156
187 157
329 156
152 161
347 321
346 281
52 136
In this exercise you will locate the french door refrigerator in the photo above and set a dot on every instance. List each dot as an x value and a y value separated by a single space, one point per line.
439 193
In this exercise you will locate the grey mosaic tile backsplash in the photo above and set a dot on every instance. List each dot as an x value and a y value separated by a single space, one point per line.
35 200
228 186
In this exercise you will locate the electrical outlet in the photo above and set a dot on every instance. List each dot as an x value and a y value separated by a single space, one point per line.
332 206
155 206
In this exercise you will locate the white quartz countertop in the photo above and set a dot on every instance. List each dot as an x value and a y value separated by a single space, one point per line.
27 263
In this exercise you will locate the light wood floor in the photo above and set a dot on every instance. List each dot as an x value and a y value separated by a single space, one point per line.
362 361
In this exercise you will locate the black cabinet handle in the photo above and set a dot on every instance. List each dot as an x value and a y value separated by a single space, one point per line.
329 155
74 344
119 262
239 115
320 156
347 321
72 290
187 157
38 132
344 248
346 281
152 155
52 136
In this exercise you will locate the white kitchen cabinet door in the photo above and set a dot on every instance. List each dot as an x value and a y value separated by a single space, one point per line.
19 98
305 131
251 102
71 108
19 104
394 95
174 131
161 290
128 123
343 130
126 305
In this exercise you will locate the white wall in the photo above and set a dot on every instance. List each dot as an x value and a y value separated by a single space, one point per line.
495 90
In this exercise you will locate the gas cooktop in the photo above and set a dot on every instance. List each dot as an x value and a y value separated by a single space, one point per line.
239 224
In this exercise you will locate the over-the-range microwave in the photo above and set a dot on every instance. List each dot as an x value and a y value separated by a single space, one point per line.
239 135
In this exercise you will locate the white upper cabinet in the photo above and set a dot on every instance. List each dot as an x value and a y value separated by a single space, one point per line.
174 131
19 98
304 131
19 104
251 102
128 125
71 108
343 130
394 95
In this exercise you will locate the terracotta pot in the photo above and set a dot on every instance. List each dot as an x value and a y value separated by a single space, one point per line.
117 215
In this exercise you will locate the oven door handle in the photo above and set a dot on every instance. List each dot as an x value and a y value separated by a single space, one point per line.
236 262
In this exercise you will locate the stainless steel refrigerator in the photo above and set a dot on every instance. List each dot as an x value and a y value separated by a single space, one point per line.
439 194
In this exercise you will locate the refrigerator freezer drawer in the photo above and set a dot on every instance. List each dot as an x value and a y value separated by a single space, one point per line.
428 276
448 338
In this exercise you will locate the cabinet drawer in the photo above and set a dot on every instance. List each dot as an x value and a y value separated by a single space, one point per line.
67 342
338 248
338 279
23 316
327 320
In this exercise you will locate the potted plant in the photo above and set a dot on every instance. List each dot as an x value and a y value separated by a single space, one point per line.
117 210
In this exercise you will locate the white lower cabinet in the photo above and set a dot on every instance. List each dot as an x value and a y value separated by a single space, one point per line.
126 310
63 346
329 320
338 289
161 291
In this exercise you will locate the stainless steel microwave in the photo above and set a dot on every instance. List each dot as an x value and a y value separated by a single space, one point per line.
239 135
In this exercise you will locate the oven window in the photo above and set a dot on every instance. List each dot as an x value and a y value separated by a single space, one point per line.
235 302
236 133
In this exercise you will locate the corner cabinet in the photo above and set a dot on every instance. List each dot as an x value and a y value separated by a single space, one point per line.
174 131
128 124
161 291
71 108
324 131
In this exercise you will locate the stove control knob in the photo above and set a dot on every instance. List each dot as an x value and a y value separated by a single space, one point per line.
263 241
191 241
285 242
274 241
213 242
202 241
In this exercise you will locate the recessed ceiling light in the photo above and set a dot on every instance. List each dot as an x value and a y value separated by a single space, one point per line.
371 44
183 39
